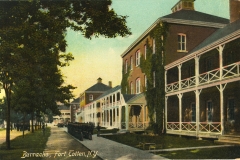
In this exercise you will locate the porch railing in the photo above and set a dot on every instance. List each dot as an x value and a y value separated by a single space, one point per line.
188 82
209 76
189 126
229 71
209 127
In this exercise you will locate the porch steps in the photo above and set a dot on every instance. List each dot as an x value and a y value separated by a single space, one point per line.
228 139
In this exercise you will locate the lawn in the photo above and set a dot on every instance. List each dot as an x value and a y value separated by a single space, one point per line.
171 141
211 153
162 142
32 142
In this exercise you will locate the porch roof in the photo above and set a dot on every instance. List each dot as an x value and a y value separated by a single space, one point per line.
109 92
218 35
133 98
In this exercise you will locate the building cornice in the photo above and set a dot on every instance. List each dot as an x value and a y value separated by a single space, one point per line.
173 21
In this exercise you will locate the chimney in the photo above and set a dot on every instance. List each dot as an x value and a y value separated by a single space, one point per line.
183 5
99 80
110 84
234 6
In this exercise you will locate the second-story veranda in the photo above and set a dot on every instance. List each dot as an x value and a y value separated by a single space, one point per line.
202 88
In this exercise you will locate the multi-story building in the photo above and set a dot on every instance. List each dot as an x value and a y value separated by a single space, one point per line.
65 116
204 100
88 97
187 28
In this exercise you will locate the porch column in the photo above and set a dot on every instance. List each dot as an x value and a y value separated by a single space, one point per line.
120 117
166 100
197 69
221 89
127 116
180 110
115 117
220 50
143 110
179 76
165 81
197 93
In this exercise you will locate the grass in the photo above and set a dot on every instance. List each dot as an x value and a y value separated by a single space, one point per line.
171 141
32 142
162 141
210 153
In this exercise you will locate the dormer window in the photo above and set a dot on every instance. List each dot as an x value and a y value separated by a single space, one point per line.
90 97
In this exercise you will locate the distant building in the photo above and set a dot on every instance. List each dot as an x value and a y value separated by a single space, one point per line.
65 116
74 106
89 95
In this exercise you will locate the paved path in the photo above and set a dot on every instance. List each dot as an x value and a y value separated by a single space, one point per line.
62 146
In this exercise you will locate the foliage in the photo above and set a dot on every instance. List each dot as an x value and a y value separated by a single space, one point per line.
33 45
124 83
154 63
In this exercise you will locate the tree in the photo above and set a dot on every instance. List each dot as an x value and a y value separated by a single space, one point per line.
32 48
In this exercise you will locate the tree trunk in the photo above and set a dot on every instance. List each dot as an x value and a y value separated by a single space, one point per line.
7 93
32 122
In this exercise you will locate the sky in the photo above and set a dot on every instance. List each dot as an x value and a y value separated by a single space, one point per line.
101 57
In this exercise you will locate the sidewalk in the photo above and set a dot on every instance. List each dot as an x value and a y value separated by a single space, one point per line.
105 149
62 146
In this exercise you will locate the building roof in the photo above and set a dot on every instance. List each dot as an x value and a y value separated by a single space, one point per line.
109 91
195 16
63 107
128 97
77 100
98 87
184 17
220 34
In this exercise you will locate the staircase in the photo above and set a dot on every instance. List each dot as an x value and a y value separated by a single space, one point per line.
228 139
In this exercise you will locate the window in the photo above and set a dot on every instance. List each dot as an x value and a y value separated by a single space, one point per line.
126 90
193 107
154 79
131 62
181 43
90 97
138 58
231 107
126 66
209 111
145 51
131 88
138 85
154 46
